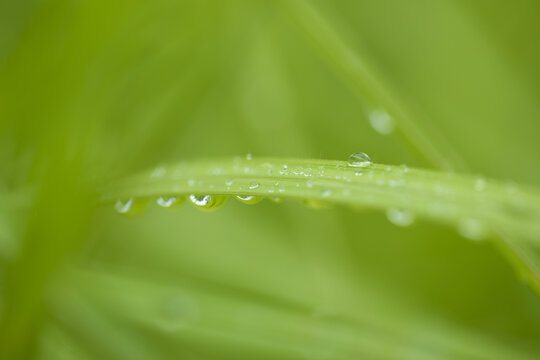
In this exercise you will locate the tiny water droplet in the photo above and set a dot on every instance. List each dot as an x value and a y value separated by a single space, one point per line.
382 122
191 182
158 172
309 183
168 201
253 186
396 183
276 199
326 193
217 171
124 206
472 229
480 184
130 206
249 156
400 217
207 202
359 159
248 199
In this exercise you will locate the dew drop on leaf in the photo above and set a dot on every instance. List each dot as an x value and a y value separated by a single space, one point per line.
480 184
248 199
382 122
158 172
168 202
130 206
123 206
253 186
207 202
472 229
359 159
400 217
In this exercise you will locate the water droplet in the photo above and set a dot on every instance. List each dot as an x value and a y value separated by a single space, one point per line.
253 186
191 182
207 202
168 201
248 199
229 182
326 193
382 122
511 188
217 171
396 183
130 206
309 184
159 172
472 229
249 156
480 184
277 199
359 159
400 217
358 173
124 206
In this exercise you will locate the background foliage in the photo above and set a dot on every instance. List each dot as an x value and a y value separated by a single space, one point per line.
93 90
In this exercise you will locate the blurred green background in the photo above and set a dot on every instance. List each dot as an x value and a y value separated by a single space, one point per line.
91 90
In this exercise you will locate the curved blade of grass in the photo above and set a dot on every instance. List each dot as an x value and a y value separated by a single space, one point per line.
93 303
475 206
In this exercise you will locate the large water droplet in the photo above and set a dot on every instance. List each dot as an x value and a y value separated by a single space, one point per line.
400 217
382 122
359 159
169 202
472 229
248 199
207 202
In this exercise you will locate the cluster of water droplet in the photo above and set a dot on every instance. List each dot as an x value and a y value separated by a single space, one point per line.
211 202
382 122
133 206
